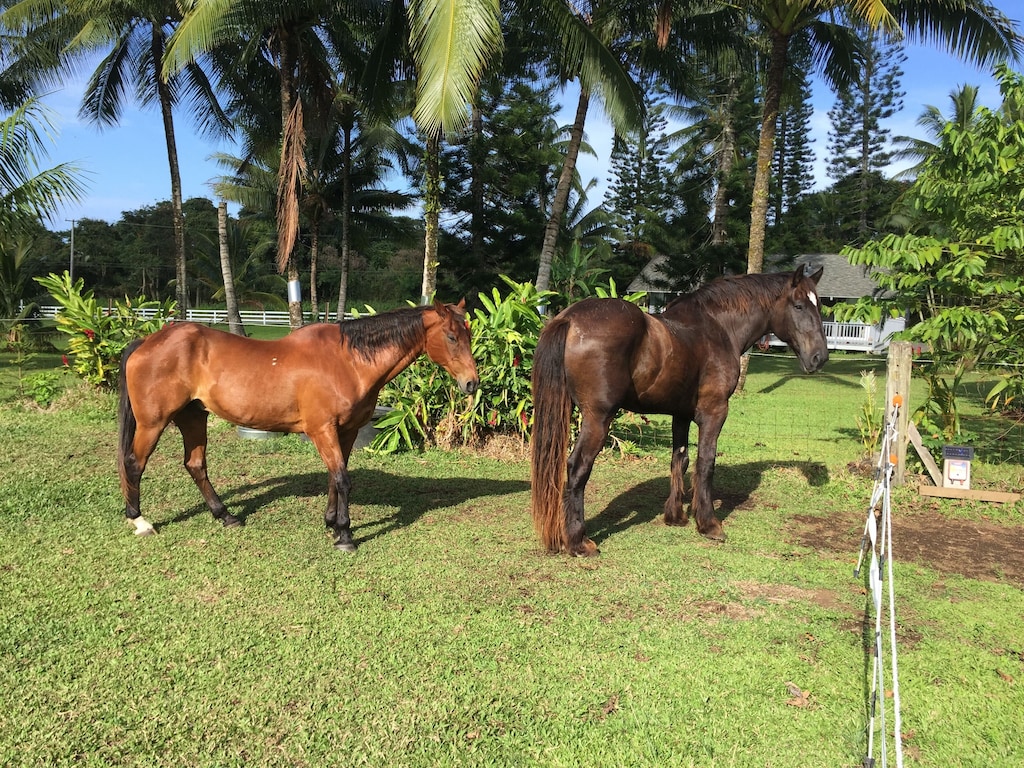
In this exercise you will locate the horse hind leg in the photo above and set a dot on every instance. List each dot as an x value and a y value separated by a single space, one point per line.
675 504
133 463
192 421
593 433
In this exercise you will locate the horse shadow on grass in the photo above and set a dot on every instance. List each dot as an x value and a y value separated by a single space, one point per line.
734 485
410 496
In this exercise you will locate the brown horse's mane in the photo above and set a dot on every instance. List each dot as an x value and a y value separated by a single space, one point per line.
736 293
397 328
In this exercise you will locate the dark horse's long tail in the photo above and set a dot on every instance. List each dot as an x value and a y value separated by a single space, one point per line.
125 422
552 412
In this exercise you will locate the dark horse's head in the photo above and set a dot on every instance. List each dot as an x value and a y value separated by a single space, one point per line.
797 320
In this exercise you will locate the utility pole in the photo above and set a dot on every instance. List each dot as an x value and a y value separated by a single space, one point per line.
71 266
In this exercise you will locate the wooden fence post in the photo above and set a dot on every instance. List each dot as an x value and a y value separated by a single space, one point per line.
897 382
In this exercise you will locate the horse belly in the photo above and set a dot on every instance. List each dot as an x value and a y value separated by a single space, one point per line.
255 399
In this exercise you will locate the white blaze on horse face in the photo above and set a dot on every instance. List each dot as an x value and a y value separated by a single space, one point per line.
812 297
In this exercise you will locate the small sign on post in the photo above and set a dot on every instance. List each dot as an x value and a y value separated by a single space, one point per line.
956 466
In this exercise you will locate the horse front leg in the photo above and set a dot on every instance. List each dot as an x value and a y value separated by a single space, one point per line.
710 426
192 421
675 504
591 439
335 447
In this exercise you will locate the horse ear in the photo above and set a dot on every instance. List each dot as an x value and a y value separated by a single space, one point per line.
439 307
462 303
817 275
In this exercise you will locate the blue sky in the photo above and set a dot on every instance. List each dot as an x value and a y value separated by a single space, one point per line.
127 165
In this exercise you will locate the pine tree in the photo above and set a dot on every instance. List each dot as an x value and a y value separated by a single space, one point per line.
793 165
637 194
858 139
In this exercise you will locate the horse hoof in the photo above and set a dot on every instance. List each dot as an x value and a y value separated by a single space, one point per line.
586 549
716 534
230 521
345 546
142 527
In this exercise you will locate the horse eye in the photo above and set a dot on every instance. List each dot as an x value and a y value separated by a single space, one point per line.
451 338
799 305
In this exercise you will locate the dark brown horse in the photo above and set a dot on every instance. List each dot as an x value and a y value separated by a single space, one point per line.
321 379
602 355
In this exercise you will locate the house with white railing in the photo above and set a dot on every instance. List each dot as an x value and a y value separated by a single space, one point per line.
840 282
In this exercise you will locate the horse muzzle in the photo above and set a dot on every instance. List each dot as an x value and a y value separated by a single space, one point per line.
469 386
815 361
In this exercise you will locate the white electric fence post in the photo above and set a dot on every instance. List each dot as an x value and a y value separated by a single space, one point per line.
881 552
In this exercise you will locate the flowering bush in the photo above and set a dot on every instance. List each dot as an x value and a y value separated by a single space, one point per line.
98 334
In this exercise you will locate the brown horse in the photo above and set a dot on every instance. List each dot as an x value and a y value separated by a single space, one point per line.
605 354
320 379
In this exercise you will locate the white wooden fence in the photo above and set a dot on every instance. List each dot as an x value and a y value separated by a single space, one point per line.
854 337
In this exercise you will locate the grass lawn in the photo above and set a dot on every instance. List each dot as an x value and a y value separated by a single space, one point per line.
450 639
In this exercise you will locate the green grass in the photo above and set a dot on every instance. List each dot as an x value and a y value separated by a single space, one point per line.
449 639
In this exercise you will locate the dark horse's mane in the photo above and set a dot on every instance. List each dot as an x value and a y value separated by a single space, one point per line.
397 328
737 292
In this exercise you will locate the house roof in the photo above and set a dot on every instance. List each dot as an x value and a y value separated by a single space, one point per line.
841 279
653 278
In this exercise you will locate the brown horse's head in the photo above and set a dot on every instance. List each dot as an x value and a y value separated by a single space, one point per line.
448 343
797 320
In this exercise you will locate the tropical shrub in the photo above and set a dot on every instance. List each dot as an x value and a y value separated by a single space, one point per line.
427 405
958 271
98 334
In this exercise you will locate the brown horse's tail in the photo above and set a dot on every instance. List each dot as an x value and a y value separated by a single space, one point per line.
552 412
125 421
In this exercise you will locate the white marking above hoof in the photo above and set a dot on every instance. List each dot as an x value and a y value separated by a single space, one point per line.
142 527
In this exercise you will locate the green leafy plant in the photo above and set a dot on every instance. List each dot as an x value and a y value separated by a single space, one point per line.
870 418
98 334
44 387
427 405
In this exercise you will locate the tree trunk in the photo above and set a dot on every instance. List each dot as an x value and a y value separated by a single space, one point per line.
726 159
431 218
477 159
346 220
290 172
314 253
765 149
177 215
561 199
234 318
762 176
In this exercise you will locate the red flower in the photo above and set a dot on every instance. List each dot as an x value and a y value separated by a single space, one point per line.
515 362
524 418
65 359
90 333
493 419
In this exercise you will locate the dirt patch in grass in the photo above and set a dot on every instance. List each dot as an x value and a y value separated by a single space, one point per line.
976 549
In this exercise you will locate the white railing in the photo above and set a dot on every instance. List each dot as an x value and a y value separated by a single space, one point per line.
213 316
856 337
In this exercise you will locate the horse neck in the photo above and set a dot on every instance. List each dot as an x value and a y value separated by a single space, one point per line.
745 320
389 360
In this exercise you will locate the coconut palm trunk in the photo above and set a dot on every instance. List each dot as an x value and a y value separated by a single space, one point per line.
230 299
177 215
431 218
561 199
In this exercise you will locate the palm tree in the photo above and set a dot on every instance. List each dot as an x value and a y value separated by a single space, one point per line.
131 38
969 28
963 102
29 195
